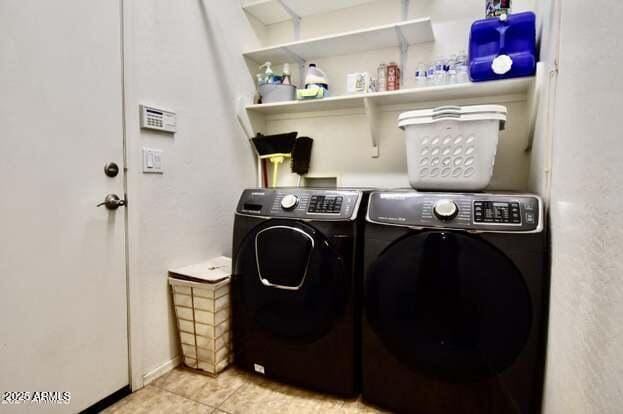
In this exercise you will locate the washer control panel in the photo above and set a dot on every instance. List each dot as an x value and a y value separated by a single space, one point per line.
474 212
301 203
325 204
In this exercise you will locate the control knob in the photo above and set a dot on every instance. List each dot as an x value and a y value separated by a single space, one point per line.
445 210
289 202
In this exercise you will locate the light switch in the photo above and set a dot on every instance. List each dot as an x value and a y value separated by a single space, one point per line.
157 160
152 161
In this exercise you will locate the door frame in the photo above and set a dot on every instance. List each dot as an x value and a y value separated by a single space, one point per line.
131 177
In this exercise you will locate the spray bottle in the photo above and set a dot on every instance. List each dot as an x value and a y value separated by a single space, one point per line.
268 73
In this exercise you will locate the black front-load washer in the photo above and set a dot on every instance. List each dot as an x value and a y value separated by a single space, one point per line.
295 286
455 303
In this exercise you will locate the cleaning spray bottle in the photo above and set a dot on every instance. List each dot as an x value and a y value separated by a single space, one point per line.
268 73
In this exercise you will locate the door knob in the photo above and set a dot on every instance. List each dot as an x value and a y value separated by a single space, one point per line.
112 202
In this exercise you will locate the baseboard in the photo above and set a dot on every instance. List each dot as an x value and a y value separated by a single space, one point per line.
156 373
101 405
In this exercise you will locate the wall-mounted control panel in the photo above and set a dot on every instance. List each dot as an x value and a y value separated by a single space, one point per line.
158 119
152 161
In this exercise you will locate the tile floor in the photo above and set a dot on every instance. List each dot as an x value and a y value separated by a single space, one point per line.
232 392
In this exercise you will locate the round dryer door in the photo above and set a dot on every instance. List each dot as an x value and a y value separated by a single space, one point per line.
448 305
290 281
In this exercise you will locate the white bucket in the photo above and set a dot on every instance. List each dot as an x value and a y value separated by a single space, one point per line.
271 93
452 147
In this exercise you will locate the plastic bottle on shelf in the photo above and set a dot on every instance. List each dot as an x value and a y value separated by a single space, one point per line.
381 78
373 86
393 77
461 58
462 72
287 74
268 73
315 76
451 74
440 72
430 75
420 76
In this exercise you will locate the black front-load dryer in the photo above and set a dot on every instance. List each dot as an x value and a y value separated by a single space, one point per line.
295 284
455 303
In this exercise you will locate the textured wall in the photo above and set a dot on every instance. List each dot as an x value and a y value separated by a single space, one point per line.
183 55
585 356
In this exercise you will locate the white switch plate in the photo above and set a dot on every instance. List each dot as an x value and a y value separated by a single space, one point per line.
152 161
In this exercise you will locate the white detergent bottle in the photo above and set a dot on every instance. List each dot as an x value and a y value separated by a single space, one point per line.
315 76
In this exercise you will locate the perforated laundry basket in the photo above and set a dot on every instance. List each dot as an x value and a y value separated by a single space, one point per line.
452 147
202 308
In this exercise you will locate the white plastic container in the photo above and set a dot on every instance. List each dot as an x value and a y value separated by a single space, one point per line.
452 147
202 308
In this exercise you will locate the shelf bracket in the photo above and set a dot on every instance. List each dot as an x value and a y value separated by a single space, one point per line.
372 113
300 62
296 30
404 51
296 19
404 9
296 58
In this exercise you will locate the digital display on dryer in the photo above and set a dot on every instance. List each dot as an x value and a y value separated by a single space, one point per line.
497 212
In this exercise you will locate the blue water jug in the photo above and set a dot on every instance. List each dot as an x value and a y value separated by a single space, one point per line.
503 48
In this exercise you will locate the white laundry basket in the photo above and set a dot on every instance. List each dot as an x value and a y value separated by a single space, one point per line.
452 147
202 308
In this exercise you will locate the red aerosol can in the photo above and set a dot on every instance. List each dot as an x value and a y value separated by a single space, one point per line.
393 77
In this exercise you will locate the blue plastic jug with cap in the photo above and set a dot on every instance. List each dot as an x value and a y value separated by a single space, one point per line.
503 47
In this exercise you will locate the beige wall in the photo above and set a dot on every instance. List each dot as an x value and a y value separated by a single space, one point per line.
584 367
183 55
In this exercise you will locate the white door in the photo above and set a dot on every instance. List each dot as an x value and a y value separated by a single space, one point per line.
62 259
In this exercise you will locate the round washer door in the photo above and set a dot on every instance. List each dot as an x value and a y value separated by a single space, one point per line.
290 281
448 305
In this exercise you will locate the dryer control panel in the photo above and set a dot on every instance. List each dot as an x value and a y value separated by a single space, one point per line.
473 212
301 203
